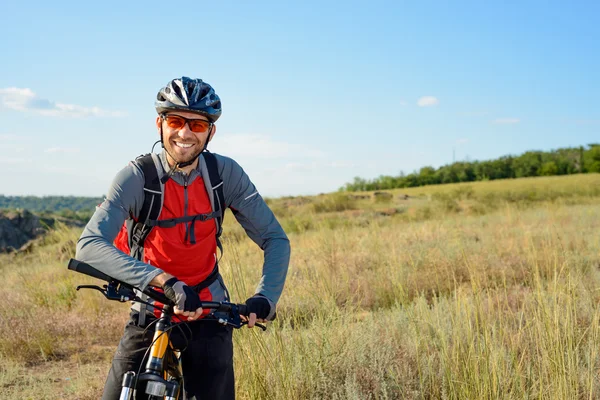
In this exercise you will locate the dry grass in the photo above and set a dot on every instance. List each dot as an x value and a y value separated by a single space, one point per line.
499 301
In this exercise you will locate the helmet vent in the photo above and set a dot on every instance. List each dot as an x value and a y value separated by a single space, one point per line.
178 92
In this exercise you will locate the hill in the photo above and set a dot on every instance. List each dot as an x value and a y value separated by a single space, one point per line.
452 291
19 228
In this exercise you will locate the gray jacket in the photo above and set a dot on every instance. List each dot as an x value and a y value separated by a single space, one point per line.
126 197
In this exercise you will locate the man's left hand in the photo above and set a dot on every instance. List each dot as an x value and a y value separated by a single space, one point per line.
259 309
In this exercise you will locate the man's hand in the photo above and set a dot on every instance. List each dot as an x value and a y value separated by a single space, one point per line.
187 302
259 309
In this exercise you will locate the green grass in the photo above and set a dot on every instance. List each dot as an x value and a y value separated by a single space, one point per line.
444 295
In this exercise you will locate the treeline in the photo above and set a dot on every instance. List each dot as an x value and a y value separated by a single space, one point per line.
532 163
53 204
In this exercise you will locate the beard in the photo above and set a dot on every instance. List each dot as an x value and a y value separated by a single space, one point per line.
188 156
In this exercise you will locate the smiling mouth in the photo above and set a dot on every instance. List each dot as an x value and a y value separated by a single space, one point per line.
184 145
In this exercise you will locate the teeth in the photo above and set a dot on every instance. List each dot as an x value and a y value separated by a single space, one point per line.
184 145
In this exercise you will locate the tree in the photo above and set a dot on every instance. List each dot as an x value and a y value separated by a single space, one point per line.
527 164
427 176
548 169
532 163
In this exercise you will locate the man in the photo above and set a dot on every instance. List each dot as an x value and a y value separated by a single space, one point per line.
179 253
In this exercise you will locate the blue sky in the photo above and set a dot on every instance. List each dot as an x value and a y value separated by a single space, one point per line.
314 93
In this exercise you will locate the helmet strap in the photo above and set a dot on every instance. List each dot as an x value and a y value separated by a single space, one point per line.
161 136
166 177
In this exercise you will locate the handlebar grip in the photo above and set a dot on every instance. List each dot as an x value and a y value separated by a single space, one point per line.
243 310
80 266
158 296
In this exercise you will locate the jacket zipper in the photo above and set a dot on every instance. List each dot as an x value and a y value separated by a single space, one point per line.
185 207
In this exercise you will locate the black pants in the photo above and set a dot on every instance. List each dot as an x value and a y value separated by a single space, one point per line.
207 362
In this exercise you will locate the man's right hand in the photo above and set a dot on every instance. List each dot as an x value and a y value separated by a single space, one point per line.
187 302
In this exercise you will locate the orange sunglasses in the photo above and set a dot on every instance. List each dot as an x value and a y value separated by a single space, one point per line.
178 122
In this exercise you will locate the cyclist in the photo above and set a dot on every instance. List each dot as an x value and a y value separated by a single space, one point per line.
176 250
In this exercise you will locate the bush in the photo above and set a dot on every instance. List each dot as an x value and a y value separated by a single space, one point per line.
383 197
297 224
447 201
335 202
463 192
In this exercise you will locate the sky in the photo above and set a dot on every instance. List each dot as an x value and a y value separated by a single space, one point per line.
313 93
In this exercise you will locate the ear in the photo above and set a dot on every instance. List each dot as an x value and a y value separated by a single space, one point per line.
158 123
212 133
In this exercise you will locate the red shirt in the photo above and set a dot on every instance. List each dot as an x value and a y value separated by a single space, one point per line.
169 249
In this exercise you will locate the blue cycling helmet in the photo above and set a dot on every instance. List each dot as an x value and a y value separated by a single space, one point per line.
193 95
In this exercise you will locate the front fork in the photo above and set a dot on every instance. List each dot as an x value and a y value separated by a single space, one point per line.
170 390
128 385
155 384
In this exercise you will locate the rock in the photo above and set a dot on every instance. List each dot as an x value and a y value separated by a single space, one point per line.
388 212
19 227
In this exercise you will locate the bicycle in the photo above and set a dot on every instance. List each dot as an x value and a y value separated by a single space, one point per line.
163 374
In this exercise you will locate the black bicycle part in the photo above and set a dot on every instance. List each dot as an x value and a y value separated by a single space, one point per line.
223 312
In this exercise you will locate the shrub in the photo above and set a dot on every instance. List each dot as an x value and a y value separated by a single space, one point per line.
335 202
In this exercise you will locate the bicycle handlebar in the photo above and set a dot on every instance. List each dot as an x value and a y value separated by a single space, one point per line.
81 267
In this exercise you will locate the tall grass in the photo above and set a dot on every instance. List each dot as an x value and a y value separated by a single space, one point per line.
501 302
461 308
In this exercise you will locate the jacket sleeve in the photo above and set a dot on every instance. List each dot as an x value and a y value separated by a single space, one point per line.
95 246
260 224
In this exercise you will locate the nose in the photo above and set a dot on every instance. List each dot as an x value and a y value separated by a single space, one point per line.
185 132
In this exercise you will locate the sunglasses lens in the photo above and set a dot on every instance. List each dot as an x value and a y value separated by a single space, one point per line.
198 126
175 122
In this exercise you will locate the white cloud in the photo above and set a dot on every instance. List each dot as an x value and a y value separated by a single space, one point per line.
462 141
506 121
7 137
260 146
62 150
15 160
428 101
25 100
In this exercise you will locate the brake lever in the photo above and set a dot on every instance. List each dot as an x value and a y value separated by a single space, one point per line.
98 288
261 326
235 322
110 292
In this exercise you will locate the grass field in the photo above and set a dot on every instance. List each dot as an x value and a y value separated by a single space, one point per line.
486 290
